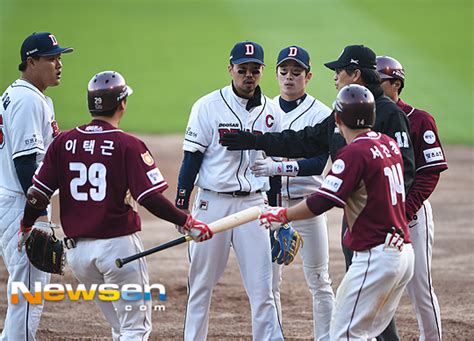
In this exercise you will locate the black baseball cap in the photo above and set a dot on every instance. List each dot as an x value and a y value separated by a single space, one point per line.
296 53
41 44
354 55
246 52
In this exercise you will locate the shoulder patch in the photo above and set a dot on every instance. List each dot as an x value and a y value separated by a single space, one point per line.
429 137
338 166
155 176
332 183
147 158
433 154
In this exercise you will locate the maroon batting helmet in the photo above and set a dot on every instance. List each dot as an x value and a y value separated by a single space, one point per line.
390 68
105 91
355 105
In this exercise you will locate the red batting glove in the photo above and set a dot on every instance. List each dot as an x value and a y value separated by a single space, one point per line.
274 217
198 230
23 235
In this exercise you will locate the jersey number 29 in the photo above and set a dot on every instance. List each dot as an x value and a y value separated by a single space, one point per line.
95 175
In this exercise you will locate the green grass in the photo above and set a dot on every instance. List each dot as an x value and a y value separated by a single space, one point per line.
173 52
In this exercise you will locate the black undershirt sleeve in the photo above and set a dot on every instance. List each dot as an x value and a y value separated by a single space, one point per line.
187 175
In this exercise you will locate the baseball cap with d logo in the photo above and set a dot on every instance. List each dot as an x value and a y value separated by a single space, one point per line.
41 44
246 52
296 53
354 55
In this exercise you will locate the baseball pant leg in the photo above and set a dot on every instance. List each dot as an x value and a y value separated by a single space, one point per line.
22 319
130 319
420 288
369 293
207 264
315 256
277 271
252 249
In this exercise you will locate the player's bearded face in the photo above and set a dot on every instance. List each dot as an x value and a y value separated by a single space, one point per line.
246 77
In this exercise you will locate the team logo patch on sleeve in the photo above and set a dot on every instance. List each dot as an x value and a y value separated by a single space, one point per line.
147 158
338 166
433 154
332 183
429 137
155 176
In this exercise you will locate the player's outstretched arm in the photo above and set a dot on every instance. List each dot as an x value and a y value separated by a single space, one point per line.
308 142
161 207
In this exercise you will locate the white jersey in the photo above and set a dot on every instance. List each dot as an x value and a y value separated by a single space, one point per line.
308 113
27 126
223 111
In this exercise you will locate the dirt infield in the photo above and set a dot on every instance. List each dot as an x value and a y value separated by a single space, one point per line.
453 208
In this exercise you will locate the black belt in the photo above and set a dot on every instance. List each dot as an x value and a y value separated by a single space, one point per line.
235 193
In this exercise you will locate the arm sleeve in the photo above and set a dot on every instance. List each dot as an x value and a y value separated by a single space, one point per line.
423 186
318 205
313 166
161 207
25 167
307 143
187 176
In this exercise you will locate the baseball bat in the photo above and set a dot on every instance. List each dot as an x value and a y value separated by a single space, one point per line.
217 226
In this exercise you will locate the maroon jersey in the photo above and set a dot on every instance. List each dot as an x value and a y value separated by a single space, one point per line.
427 147
96 167
367 180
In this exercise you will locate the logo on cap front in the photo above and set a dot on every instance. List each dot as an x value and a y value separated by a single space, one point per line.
53 39
249 50
293 52
354 61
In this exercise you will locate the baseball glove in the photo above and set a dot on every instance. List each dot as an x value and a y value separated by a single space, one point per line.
286 243
45 251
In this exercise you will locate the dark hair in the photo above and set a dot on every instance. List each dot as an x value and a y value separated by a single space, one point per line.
22 66
370 77
393 80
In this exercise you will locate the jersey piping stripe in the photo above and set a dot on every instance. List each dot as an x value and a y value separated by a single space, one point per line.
199 144
159 186
99 132
288 178
331 196
428 268
368 137
42 184
36 91
358 295
241 128
432 165
253 125
411 111
41 191
26 152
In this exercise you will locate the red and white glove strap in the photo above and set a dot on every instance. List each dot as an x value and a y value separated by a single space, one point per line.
198 230
274 217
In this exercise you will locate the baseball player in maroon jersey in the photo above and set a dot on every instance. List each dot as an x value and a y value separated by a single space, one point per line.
430 162
366 179
99 169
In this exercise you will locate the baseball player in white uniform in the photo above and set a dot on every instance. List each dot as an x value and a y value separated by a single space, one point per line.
299 110
27 127
225 186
